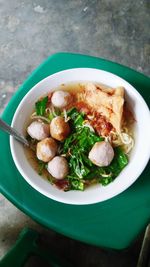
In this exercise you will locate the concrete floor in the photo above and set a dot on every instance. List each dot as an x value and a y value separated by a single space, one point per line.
32 30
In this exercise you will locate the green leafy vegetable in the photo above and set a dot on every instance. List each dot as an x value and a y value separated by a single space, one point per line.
40 106
106 180
76 117
50 116
77 185
121 157
52 113
77 147
41 167
112 171
32 142
56 112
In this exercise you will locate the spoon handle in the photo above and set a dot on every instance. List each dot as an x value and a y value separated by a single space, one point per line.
5 127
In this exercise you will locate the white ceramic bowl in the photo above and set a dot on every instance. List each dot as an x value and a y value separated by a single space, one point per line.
139 156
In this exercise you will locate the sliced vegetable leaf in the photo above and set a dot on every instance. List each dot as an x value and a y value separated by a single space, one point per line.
106 180
50 116
40 106
76 117
77 185
119 162
86 160
41 167
78 145
56 112
122 157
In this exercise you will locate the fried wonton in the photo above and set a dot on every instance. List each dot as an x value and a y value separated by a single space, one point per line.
107 101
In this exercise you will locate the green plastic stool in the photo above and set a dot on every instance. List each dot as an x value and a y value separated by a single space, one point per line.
26 246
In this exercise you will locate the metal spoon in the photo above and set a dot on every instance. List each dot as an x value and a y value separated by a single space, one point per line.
6 128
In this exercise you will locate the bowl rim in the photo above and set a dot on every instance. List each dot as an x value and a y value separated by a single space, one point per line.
22 172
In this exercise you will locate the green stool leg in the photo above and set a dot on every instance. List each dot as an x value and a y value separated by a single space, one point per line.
18 254
24 247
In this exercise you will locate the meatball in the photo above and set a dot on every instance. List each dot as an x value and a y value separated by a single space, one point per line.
46 149
59 129
60 99
38 130
101 154
58 167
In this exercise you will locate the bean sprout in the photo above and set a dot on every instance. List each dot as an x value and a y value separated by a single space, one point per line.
37 117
